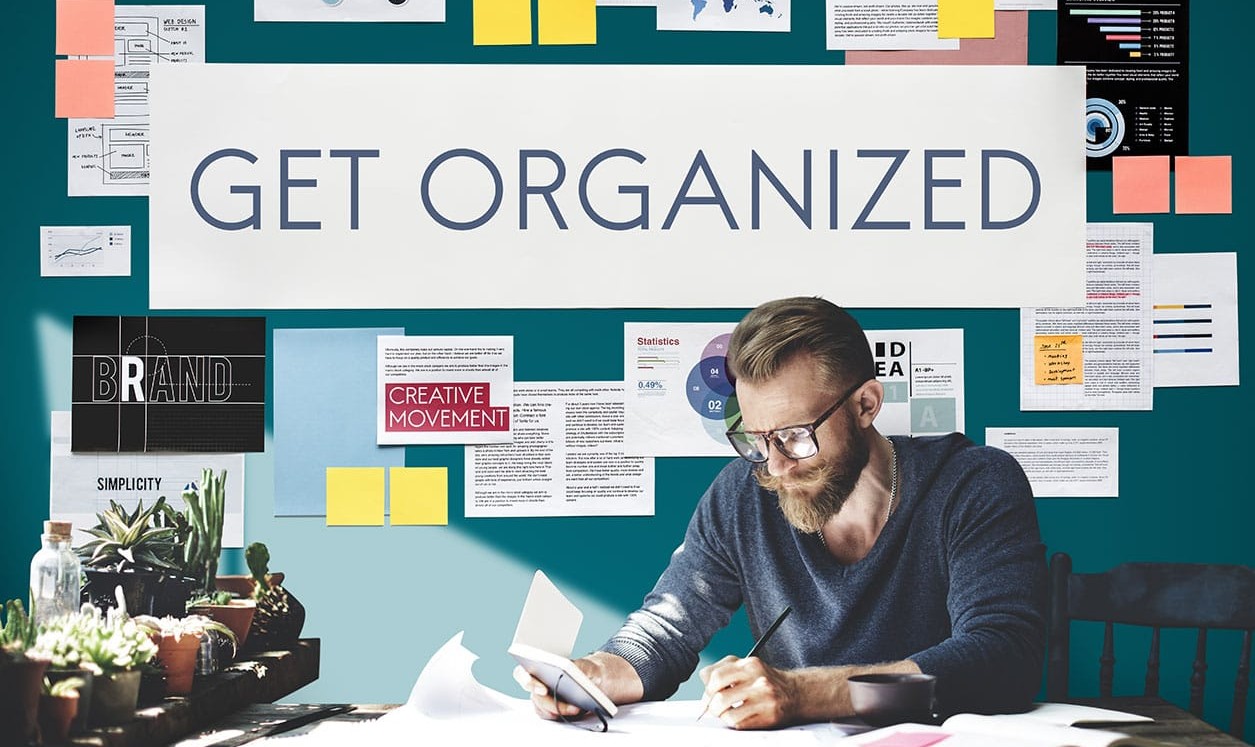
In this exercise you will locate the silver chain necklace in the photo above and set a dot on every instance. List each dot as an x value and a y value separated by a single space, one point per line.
893 488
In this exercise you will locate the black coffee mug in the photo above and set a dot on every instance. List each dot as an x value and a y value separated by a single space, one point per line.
886 699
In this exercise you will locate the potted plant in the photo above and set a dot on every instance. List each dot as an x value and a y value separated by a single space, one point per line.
128 549
178 642
21 677
58 707
279 617
206 510
110 644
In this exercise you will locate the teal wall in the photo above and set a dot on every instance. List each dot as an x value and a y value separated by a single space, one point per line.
383 599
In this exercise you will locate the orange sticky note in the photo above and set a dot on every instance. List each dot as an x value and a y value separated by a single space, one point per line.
499 22
1204 184
84 89
1140 184
1057 360
418 496
567 21
355 496
85 27
965 19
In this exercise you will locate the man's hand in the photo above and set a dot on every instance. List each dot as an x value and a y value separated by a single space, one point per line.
748 694
611 673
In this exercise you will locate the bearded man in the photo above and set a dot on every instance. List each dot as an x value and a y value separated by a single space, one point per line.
895 554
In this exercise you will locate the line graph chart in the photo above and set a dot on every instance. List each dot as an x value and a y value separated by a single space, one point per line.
73 251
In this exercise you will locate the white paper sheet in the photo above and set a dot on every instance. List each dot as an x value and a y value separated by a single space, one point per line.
723 15
84 251
1114 325
884 24
922 373
1026 4
448 706
444 390
82 485
349 10
566 459
679 398
1196 319
1064 462
111 156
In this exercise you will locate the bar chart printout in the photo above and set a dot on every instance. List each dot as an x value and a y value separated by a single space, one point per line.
1137 80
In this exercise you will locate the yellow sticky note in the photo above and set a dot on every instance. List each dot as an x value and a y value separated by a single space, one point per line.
355 496
1140 184
965 19
502 22
418 495
567 21
1204 184
84 27
1057 359
84 89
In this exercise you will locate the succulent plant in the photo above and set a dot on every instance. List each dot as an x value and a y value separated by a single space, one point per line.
125 540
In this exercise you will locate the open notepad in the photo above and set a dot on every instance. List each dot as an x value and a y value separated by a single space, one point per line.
1046 725
542 645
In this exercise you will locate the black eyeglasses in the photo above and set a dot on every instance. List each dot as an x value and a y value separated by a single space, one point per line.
792 441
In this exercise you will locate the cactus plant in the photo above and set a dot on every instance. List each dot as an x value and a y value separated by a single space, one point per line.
206 508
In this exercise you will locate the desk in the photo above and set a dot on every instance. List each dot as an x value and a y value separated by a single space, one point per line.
1172 724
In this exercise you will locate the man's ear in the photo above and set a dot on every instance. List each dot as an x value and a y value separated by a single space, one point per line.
870 398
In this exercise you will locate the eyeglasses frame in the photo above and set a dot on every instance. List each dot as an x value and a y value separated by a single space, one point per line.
769 436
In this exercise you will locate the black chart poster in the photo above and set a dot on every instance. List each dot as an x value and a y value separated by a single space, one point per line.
1137 78
186 384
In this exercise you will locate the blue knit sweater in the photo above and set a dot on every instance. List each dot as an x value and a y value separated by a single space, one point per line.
956 582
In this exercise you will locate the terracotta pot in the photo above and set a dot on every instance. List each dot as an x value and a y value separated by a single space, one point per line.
114 697
21 683
56 714
84 694
238 616
243 585
178 657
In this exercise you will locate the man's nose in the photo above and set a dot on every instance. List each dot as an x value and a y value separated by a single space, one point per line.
777 463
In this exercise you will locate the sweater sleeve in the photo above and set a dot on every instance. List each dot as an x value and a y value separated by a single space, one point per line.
694 597
997 598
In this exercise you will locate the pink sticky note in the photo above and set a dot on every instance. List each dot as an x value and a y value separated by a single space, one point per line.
84 27
908 739
84 88
1204 184
1140 184
1009 46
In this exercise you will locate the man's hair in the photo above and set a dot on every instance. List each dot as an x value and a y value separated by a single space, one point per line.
774 333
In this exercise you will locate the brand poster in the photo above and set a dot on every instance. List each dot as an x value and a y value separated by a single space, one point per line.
151 383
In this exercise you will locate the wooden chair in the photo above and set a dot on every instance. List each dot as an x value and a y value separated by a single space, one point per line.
1154 595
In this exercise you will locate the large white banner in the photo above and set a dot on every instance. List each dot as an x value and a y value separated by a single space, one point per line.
477 186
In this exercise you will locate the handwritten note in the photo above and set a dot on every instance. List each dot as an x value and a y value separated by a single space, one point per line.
1057 359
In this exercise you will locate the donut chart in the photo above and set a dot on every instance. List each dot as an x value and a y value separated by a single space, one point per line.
710 389
1104 128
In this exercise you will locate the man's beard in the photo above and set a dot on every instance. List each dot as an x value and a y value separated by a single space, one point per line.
830 484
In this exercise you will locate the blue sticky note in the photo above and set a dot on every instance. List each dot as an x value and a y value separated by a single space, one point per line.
324 405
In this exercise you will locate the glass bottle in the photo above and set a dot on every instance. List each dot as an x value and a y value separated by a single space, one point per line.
56 575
